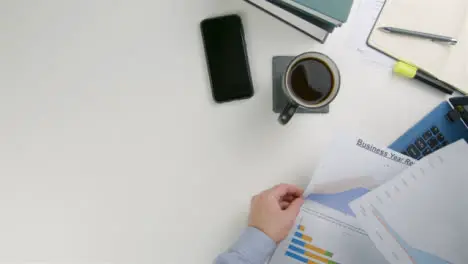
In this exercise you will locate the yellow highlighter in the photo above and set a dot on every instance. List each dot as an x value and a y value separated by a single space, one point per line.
410 71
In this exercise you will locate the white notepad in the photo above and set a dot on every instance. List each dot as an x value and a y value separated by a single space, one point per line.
444 17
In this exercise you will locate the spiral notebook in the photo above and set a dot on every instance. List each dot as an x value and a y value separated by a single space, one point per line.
450 18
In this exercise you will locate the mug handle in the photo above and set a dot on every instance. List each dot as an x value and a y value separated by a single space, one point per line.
287 113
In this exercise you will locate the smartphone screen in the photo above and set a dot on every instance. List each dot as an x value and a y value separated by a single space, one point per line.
226 56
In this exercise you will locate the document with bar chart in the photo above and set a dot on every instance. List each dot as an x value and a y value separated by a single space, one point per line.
323 238
350 168
421 216
327 230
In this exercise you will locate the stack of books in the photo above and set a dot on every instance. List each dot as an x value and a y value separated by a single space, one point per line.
316 18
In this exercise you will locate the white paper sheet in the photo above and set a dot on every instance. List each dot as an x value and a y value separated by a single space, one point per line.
334 238
421 217
366 16
353 166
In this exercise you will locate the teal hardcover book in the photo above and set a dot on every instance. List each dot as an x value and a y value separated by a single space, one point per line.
337 9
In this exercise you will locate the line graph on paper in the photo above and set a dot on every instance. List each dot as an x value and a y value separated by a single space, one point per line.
338 194
351 168
416 255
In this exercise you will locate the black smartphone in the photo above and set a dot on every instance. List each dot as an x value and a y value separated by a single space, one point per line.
227 60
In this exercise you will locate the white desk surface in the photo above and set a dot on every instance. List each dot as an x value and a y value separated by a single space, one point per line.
112 150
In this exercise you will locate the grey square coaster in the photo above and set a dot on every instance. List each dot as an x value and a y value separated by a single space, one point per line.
280 63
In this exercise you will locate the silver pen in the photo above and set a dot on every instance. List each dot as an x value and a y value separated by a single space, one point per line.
418 34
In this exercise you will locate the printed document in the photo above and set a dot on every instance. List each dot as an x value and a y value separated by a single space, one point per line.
420 216
326 229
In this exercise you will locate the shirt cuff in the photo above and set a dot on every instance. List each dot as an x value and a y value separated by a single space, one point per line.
254 245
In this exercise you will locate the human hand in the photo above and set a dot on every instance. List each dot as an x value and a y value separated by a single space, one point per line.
274 211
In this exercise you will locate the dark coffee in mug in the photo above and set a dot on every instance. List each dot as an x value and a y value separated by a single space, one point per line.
311 80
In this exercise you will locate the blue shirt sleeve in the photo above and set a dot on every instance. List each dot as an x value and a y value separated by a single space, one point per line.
252 247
